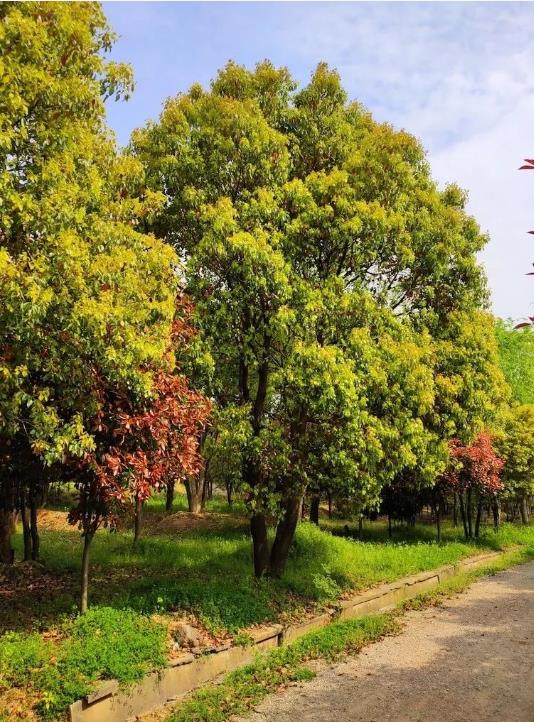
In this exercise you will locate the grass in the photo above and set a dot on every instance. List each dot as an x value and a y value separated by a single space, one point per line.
104 644
242 690
205 573
208 573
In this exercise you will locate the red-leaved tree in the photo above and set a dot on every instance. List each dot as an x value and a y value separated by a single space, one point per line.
140 447
475 477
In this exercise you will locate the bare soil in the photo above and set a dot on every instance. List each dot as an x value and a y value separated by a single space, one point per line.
471 659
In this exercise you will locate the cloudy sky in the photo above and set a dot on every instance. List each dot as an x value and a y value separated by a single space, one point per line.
459 76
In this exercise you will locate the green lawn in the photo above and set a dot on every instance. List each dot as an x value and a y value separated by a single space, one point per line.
204 573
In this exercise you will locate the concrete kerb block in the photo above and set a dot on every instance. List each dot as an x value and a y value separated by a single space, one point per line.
290 634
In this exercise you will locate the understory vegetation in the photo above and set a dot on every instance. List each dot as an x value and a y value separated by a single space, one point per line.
52 657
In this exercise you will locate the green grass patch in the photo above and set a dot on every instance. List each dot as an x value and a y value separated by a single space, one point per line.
104 644
208 574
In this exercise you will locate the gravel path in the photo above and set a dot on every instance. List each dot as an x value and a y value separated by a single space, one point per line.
470 660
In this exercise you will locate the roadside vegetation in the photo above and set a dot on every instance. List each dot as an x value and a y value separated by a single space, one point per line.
261 309
51 657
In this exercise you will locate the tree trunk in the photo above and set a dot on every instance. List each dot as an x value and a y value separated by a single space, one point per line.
193 487
138 514
229 492
463 515
470 513
260 543
34 529
455 510
329 504
438 522
207 491
478 520
523 508
169 497
87 539
496 509
360 527
26 531
7 527
285 533
314 509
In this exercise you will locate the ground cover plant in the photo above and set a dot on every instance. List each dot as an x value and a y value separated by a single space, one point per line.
203 574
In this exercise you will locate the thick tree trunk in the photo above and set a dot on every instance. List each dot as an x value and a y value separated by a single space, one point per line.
138 518
260 543
314 509
7 528
193 487
87 539
285 533
478 520
169 496
523 509
496 509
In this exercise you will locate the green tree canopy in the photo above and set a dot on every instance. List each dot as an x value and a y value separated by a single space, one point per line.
84 296
330 276
515 444
516 354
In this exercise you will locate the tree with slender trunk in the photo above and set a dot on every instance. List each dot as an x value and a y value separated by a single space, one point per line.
314 508
475 476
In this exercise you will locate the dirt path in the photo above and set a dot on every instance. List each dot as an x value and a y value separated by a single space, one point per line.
472 659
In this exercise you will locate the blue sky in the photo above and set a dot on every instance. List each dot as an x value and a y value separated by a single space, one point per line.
459 76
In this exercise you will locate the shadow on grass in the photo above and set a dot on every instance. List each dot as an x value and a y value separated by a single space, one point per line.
209 573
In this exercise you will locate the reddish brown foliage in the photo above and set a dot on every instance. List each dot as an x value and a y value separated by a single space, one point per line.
476 466
140 446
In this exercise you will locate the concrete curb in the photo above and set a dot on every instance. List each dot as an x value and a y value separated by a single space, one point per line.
111 704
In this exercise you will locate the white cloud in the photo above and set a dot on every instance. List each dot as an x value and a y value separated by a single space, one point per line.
459 77
501 198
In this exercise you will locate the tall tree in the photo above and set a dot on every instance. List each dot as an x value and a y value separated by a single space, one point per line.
84 296
321 257
516 355
515 444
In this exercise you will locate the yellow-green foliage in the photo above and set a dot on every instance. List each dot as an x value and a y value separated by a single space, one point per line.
83 294
336 287
515 444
